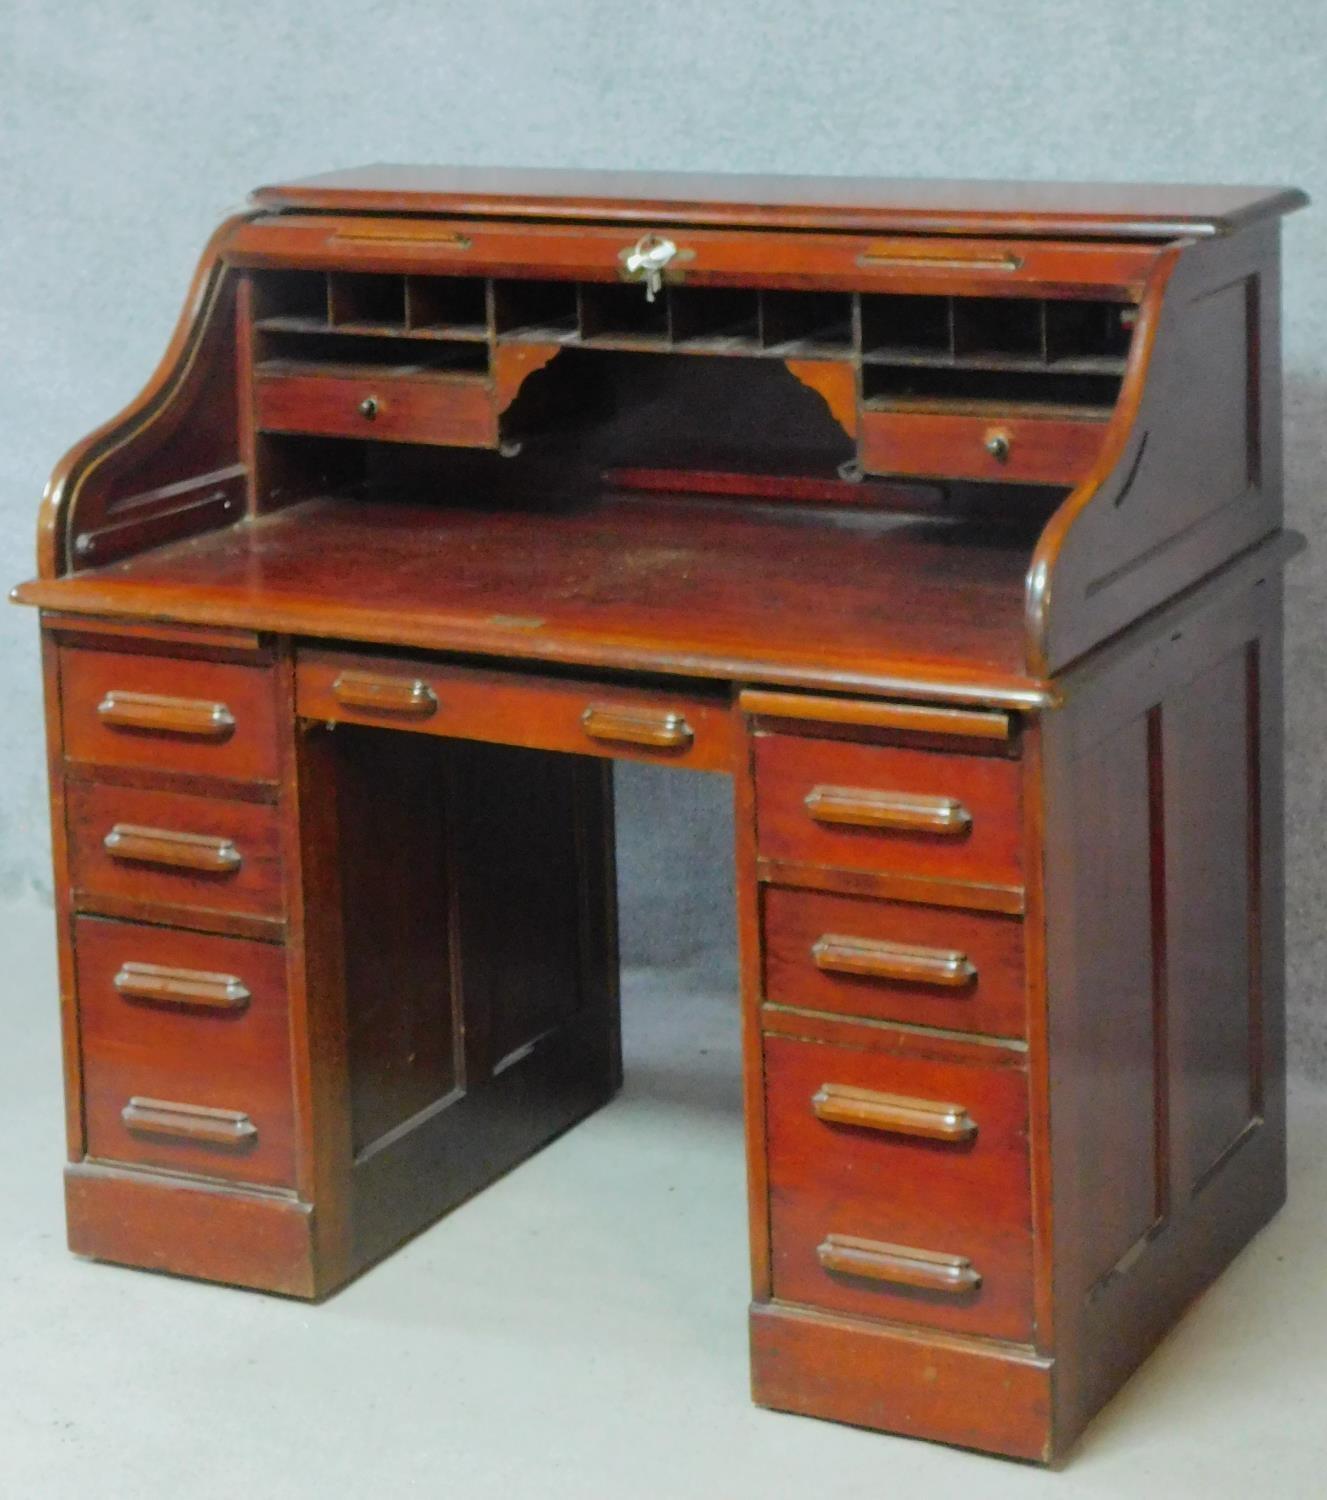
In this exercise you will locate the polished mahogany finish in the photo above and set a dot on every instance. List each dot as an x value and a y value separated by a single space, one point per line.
945 518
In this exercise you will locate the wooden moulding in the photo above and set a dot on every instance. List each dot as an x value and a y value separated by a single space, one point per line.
161 1223
969 1392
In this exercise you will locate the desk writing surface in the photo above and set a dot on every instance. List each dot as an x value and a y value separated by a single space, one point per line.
706 588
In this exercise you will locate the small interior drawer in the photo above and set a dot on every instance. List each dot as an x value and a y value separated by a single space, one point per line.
1016 449
167 713
679 728
899 1187
882 808
457 410
186 1051
893 961
203 854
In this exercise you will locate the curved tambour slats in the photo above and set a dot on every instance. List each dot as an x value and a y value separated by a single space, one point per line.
1189 471
182 471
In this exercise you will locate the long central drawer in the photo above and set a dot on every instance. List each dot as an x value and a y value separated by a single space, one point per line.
683 728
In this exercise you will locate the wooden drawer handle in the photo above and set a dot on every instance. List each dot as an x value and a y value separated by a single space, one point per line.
656 729
872 959
197 988
190 1122
902 812
155 714
162 846
841 1104
371 693
932 1272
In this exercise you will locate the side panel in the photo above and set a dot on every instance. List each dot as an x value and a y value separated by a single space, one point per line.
1162 806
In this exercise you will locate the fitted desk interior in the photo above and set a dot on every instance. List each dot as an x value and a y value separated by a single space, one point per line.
944 518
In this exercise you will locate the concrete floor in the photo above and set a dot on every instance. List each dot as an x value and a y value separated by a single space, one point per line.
578 1330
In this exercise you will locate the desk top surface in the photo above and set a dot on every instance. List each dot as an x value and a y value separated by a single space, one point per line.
710 589
870 204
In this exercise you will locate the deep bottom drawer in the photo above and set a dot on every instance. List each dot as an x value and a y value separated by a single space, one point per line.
899 1187
186 1051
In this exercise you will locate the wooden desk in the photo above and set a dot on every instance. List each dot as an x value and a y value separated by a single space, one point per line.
945 518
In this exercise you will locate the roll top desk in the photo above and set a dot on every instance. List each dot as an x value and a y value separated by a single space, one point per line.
944 518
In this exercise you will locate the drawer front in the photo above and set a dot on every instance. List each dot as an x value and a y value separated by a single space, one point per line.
1017 450
899 1188
887 810
386 408
186 1051
201 853
891 961
165 713
584 718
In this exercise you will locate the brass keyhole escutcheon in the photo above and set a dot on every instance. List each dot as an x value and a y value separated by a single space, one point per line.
997 445
368 408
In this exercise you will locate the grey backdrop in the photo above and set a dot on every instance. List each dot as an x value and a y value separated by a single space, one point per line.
128 129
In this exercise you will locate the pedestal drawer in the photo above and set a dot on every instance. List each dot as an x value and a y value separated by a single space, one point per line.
198 854
899 1187
167 713
186 1051
882 808
893 961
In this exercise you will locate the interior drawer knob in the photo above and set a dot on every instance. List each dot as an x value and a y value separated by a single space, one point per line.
368 408
927 1270
998 445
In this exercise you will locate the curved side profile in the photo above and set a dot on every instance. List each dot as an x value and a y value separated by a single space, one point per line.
1189 473
169 464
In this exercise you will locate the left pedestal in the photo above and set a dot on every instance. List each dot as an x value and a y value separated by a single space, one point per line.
317 987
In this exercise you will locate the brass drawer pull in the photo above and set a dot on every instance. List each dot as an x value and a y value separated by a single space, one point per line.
901 812
197 988
922 261
156 714
190 1122
873 959
371 693
847 1255
657 729
161 846
841 1104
